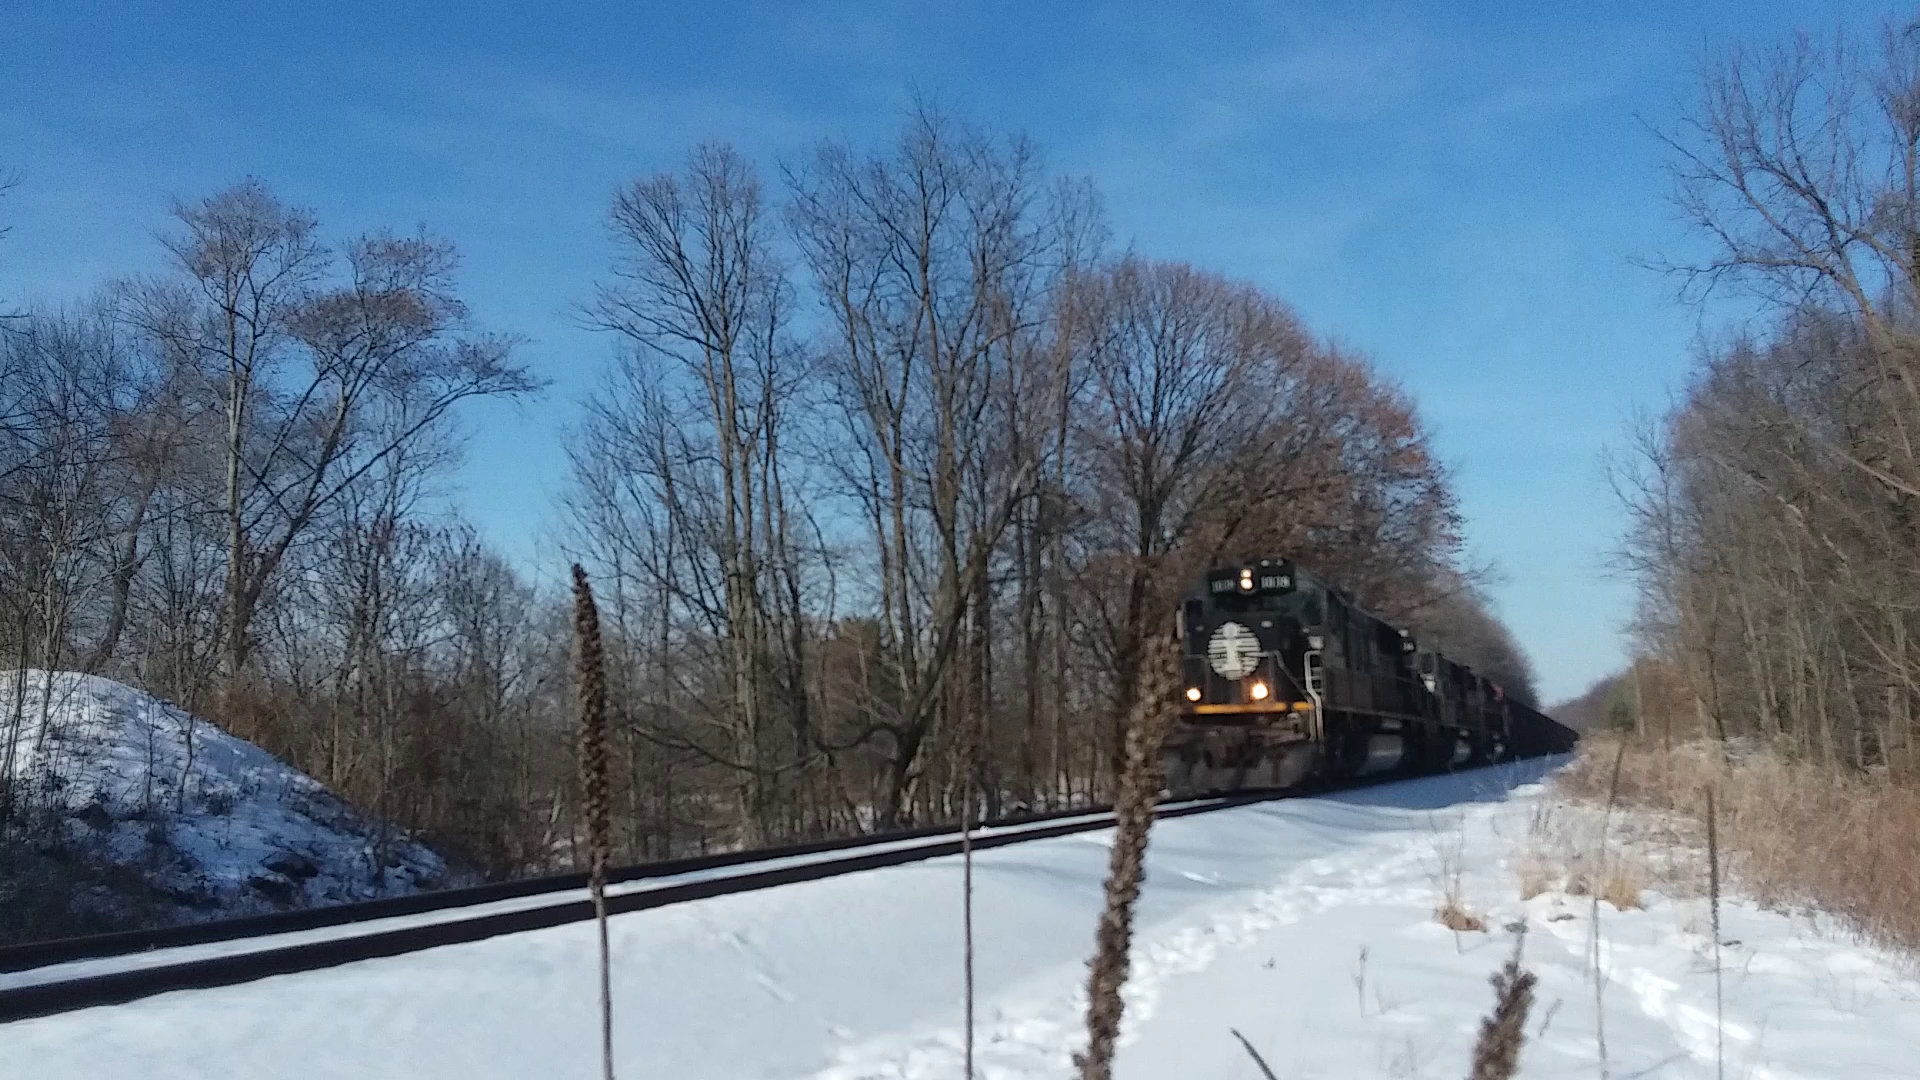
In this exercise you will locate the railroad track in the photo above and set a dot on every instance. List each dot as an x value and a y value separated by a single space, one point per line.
110 969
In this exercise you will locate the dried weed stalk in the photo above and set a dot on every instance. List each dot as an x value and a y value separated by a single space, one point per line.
1258 1061
1713 900
1496 1054
1450 849
1133 814
593 782
1599 972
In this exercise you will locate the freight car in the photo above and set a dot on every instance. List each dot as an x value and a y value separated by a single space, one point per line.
1284 678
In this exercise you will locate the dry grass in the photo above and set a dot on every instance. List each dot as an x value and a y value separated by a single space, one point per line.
1569 852
1613 877
1794 836
1620 885
1456 917
1449 848
1537 874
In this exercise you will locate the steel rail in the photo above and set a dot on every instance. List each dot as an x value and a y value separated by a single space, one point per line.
120 987
39 954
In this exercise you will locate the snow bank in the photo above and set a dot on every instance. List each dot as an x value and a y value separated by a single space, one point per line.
209 825
1306 925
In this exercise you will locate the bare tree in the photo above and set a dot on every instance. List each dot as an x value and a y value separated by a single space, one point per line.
932 263
1776 508
247 263
73 385
8 182
1216 427
319 382
1176 359
694 421
1802 164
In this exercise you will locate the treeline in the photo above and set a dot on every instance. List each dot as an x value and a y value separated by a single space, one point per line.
895 472
1776 508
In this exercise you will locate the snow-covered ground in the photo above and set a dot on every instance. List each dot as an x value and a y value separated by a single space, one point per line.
1306 925
208 824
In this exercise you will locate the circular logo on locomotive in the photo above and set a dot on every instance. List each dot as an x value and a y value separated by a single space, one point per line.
1234 651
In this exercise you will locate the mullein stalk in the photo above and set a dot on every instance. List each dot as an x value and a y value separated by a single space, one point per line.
1133 815
594 787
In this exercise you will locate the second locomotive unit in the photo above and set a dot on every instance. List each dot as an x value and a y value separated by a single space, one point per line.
1284 678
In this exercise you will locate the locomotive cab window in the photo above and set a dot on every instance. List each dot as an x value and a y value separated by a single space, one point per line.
1310 613
1193 625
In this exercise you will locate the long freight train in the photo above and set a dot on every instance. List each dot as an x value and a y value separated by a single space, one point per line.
1283 678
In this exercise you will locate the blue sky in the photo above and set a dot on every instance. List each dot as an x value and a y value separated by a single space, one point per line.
1456 193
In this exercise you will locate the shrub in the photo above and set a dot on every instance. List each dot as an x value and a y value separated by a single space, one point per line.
1793 834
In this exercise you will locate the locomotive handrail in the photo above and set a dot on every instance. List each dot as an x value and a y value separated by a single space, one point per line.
1313 692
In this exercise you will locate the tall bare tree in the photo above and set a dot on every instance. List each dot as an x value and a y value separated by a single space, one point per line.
320 380
1176 358
1216 427
932 263
697 414
1802 165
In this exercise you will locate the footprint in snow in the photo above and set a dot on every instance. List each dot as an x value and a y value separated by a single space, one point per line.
771 986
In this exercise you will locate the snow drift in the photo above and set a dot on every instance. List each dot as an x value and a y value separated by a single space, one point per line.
179 821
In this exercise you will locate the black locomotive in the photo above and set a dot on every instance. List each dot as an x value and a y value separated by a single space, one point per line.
1284 678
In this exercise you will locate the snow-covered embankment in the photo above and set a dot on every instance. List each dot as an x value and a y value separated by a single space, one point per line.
180 821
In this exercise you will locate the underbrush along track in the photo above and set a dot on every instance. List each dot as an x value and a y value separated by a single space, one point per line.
58 993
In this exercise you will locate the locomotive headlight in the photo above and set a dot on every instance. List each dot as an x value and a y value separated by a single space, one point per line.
1314 642
1258 691
1246 582
1193 693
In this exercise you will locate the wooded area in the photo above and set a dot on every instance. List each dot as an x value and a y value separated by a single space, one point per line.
1776 508
895 472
